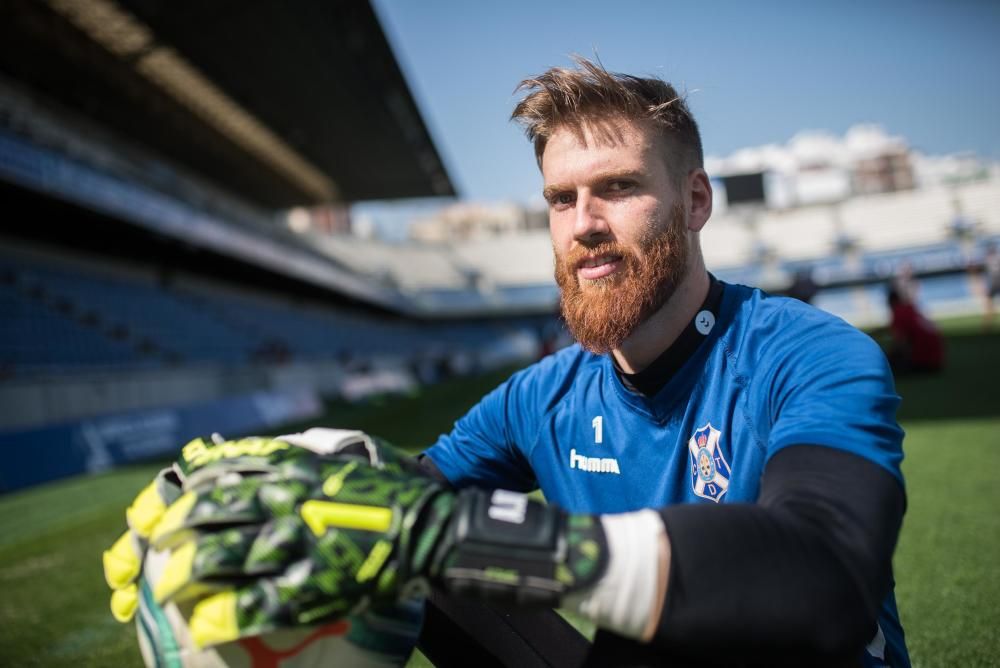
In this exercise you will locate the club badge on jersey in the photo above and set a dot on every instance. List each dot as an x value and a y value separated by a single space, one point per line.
710 471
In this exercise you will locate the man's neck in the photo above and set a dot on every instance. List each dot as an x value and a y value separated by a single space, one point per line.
661 329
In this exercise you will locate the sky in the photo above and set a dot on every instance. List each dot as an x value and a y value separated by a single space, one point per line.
755 72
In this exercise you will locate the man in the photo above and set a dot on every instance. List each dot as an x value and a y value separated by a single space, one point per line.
761 428
729 460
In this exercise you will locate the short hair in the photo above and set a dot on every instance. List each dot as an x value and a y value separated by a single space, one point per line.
563 97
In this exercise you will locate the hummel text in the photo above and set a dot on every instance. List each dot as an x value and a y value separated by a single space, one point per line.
593 464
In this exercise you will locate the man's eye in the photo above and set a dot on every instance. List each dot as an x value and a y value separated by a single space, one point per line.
561 199
621 186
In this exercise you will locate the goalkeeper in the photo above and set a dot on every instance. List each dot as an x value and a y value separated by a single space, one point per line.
722 465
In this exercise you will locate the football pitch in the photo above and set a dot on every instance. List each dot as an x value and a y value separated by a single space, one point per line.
53 600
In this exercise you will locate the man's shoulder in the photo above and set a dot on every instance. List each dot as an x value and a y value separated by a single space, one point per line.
767 325
539 387
560 366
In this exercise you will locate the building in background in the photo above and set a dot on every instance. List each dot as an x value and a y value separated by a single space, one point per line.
821 168
465 221
321 219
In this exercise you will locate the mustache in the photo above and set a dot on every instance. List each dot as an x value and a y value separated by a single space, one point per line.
585 251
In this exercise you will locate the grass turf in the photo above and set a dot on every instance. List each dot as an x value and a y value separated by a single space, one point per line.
53 607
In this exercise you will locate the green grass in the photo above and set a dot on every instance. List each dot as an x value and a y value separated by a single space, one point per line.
53 599
53 605
53 609
947 579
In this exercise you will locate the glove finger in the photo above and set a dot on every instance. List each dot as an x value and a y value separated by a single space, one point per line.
210 560
124 602
323 587
294 599
231 504
196 565
148 507
278 543
122 561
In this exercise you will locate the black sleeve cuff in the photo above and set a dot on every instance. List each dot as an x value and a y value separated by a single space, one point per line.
799 575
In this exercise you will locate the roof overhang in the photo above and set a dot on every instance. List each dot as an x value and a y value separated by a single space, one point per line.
283 103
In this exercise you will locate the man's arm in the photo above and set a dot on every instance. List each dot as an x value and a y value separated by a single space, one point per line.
802 571
798 575
480 449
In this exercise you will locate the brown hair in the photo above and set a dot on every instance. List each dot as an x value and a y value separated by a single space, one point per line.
562 97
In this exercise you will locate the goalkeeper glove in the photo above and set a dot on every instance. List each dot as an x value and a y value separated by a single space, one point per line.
202 463
123 560
333 534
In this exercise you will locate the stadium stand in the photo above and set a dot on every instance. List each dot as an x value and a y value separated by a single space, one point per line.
808 233
980 203
509 261
152 288
124 319
728 243
893 220
39 332
407 267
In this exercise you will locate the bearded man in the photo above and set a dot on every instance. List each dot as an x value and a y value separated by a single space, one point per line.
761 430
721 466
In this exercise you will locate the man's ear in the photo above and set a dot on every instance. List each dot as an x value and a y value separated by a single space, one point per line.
698 199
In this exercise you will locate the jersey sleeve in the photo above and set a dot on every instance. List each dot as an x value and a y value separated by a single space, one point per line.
832 386
482 448
797 578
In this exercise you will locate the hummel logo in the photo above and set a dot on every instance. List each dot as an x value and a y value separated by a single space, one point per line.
508 506
593 464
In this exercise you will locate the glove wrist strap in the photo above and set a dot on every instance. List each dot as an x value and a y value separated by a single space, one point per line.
505 546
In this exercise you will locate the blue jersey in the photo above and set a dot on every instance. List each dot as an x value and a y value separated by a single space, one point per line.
770 373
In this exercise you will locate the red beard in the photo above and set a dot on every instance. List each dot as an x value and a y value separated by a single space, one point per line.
603 314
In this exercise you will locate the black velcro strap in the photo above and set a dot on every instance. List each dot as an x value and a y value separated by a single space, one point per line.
505 546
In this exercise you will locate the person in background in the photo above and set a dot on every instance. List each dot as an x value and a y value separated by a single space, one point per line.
904 283
803 286
917 345
991 283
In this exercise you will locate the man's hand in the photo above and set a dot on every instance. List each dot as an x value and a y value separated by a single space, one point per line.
333 534
203 463
123 560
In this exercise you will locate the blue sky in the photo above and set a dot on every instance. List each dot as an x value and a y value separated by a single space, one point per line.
756 72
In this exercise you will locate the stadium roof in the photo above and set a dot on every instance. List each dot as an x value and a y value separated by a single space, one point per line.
284 103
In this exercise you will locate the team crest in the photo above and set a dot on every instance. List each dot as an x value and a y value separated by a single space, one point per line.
709 469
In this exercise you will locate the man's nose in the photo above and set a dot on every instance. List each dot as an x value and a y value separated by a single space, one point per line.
590 223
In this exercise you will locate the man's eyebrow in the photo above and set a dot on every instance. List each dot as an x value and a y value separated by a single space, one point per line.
549 191
598 177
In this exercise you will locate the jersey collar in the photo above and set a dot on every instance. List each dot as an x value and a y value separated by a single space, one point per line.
660 371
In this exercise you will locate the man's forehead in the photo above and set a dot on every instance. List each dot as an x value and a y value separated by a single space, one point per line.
605 133
626 144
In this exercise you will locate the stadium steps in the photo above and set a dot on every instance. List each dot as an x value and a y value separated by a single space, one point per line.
897 220
42 331
109 311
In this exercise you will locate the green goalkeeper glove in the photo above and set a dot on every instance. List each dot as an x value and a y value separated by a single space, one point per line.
201 465
331 535
123 560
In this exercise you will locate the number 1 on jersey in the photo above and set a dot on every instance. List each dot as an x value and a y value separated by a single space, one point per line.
598 424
